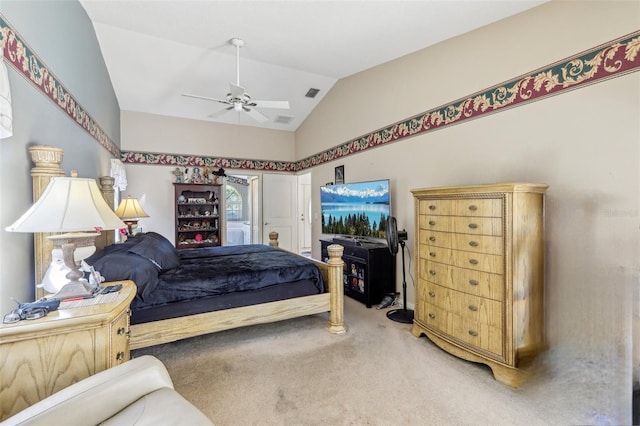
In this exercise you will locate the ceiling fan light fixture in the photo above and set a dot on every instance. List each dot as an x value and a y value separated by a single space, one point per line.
239 100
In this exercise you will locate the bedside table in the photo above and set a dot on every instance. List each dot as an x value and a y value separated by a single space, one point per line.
40 357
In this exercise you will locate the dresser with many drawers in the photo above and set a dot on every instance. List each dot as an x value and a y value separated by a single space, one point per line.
480 269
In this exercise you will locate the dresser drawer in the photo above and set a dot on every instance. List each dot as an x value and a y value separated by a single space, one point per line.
487 207
436 238
474 308
433 316
479 335
120 333
476 261
477 283
463 225
475 243
42 356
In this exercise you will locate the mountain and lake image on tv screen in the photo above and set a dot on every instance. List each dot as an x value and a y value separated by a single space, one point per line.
359 209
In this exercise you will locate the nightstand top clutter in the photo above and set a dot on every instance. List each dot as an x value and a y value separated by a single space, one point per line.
82 317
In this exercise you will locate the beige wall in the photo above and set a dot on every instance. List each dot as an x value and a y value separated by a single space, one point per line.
461 66
156 133
584 144
153 133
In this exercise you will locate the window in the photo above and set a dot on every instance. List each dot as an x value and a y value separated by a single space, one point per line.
234 204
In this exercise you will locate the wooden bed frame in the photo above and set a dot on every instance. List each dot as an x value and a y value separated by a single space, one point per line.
332 301
47 161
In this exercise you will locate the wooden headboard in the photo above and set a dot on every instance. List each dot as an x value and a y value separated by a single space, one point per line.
47 161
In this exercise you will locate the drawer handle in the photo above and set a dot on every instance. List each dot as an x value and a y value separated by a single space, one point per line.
432 238
432 207
432 272
473 282
473 308
432 316
121 331
473 225
432 294
431 222
473 243
120 356
473 333
432 254
473 261
473 208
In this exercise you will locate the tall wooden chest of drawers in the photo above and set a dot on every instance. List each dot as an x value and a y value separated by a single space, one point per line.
480 269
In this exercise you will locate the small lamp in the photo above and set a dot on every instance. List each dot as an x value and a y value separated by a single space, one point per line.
71 205
130 211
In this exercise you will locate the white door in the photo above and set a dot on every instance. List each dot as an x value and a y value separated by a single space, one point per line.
256 216
279 209
304 212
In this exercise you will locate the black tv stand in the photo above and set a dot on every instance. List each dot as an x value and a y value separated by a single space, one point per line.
369 271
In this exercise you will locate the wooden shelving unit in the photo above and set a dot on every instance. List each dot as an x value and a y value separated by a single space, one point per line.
199 215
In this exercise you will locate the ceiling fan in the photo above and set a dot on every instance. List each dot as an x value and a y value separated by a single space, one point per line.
238 99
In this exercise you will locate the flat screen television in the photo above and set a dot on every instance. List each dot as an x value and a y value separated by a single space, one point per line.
357 209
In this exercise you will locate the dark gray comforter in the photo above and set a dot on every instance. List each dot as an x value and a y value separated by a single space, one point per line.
165 275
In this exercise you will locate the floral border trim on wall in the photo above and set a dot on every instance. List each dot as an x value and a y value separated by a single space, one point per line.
163 159
613 59
26 62
609 60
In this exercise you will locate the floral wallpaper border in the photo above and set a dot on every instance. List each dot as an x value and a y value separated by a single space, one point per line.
609 60
28 64
182 160
603 62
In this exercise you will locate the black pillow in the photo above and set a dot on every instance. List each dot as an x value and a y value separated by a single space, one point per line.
119 266
113 248
162 240
161 254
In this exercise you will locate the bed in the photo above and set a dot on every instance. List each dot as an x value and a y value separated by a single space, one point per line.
186 293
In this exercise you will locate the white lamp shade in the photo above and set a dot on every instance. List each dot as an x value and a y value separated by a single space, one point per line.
130 209
68 204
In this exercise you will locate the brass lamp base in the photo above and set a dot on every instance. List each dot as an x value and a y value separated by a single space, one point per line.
130 225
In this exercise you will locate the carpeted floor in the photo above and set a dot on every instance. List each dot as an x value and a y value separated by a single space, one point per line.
295 373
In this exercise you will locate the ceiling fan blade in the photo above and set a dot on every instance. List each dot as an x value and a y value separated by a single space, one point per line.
271 104
221 112
236 90
205 98
256 115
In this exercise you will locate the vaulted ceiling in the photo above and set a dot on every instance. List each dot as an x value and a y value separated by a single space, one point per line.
157 50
